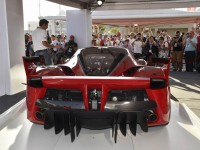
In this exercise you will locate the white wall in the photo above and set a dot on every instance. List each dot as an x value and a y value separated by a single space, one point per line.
15 31
4 53
12 47
79 23
16 45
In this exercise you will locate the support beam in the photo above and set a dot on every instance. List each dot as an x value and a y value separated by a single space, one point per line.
130 4
72 3
150 5
80 25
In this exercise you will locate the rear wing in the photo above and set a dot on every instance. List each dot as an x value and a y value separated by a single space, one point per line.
85 83
31 63
162 62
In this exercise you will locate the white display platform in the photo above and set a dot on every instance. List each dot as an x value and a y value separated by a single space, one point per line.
182 133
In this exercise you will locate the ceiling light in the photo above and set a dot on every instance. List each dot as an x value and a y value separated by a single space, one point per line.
100 2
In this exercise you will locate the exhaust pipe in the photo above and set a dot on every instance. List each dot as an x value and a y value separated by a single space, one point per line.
39 115
151 116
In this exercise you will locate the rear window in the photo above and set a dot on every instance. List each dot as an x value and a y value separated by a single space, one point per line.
101 61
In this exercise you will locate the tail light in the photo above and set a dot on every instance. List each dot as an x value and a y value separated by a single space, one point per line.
158 83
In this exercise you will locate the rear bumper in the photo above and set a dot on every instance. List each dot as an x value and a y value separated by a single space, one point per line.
67 114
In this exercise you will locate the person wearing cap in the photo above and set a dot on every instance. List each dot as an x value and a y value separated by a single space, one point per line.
70 47
40 44
57 52
190 49
57 41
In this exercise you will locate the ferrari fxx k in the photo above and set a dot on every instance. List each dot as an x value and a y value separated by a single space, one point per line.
98 88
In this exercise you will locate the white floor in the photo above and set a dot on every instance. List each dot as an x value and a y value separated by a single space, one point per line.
182 133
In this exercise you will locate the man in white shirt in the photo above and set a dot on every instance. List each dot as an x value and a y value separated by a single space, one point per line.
132 38
137 46
40 43
58 42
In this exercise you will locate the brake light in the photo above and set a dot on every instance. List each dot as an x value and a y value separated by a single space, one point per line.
35 82
157 83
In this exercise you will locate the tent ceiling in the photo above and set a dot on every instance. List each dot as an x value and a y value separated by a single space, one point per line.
100 15
129 4
150 22
145 17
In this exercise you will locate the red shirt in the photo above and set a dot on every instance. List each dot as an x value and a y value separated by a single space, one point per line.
102 42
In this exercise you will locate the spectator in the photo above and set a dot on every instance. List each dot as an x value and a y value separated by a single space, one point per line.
163 48
99 40
30 47
53 38
57 41
190 49
126 44
166 36
71 47
94 41
158 35
137 46
40 43
116 42
132 38
146 34
107 41
177 51
26 37
57 51
150 48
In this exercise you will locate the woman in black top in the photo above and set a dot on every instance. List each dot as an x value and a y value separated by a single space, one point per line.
151 48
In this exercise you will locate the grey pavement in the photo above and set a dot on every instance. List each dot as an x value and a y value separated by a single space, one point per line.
185 88
8 101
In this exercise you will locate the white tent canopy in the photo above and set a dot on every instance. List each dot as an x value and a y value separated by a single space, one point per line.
129 4
145 17
141 12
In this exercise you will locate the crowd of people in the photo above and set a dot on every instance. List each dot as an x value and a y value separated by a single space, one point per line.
66 50
54 48
146 45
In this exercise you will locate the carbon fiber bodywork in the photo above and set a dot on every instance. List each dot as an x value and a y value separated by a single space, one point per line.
61 118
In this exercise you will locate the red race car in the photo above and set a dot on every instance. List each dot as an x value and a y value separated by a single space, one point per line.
98 88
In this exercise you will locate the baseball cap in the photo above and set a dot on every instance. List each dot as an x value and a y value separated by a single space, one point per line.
71 36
